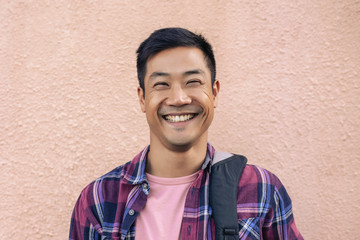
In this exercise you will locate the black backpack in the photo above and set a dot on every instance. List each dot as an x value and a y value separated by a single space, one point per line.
225 174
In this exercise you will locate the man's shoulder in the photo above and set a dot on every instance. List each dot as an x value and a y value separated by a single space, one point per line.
115 174
126 171
251 173
129 173
256 174
110 178
110 181
258 184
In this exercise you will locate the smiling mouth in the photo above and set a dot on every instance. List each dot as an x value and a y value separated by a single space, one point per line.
179 118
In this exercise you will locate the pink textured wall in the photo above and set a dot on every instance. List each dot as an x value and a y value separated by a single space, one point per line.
290 101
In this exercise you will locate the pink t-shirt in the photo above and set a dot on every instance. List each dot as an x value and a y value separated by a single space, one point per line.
162 216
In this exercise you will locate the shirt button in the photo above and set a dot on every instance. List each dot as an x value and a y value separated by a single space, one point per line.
131 212
144 186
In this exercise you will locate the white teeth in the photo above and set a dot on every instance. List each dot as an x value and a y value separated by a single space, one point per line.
177 118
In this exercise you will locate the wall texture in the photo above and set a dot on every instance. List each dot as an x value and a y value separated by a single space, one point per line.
289 101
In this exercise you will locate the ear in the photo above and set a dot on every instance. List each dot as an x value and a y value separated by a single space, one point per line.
141 97
216 90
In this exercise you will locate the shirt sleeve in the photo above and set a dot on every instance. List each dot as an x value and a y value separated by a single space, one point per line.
279 221
84 223
264 207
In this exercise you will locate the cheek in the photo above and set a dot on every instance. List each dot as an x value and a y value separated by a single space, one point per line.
208 97
153 103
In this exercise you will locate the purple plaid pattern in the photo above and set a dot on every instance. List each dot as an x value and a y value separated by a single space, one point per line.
107 208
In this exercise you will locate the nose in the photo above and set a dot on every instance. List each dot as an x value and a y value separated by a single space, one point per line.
178 96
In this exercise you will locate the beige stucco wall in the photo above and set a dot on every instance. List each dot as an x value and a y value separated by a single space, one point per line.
289 101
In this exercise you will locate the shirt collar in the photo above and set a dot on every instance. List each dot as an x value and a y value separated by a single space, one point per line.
134 172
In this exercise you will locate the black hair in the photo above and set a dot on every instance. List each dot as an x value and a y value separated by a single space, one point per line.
167 38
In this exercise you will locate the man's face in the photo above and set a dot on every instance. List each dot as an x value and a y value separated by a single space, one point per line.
179 98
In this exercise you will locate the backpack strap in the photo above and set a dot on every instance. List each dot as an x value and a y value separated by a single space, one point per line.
225 175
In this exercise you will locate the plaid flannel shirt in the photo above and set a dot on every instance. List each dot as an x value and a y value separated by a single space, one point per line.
107 208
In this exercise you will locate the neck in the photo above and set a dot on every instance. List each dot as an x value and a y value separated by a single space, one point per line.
167 162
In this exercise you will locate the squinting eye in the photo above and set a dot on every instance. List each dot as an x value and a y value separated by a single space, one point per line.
194 82
161 84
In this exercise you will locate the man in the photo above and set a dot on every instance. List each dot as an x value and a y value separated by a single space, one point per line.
163 192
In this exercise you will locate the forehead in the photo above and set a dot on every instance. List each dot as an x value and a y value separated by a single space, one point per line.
176 61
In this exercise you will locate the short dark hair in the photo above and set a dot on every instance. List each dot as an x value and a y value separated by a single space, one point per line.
167 38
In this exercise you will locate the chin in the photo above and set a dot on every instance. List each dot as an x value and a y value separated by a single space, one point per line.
180 146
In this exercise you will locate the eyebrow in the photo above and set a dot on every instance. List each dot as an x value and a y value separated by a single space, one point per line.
187 73
158 74
195 71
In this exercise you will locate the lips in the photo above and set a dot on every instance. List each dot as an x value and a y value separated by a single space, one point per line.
179 118
181 114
